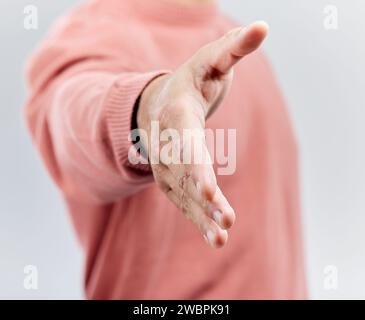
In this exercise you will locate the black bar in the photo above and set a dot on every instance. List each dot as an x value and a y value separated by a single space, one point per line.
172 309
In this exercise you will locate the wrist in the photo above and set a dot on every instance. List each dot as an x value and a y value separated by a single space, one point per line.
146 102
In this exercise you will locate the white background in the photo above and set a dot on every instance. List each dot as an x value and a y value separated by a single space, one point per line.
322 75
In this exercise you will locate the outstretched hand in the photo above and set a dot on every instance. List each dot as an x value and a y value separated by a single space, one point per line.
184 99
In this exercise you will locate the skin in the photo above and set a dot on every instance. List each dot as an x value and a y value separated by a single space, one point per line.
185 99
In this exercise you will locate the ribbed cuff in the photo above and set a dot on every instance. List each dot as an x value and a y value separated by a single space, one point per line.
120 102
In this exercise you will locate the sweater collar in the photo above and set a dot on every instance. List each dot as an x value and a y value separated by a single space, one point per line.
173 12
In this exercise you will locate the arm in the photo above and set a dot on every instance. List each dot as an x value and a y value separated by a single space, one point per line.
81 125
181 101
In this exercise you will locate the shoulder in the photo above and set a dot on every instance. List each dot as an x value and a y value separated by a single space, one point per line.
90 31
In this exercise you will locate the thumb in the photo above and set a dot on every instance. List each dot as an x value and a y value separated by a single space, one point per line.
222 54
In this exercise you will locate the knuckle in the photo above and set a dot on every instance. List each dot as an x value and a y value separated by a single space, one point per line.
183 181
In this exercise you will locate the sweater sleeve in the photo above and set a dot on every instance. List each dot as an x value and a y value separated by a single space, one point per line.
84 80
82 129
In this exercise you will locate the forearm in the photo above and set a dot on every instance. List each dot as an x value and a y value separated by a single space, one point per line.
88 120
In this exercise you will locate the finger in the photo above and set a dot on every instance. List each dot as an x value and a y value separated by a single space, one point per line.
217 209
195 160
211 232
223 54
196 175
221 211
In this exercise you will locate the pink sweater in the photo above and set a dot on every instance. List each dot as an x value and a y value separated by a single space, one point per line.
84 81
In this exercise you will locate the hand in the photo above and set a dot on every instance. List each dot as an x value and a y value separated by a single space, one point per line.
183 100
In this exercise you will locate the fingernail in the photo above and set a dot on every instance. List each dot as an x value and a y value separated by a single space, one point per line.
210 237
217 215
206 239
198 187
